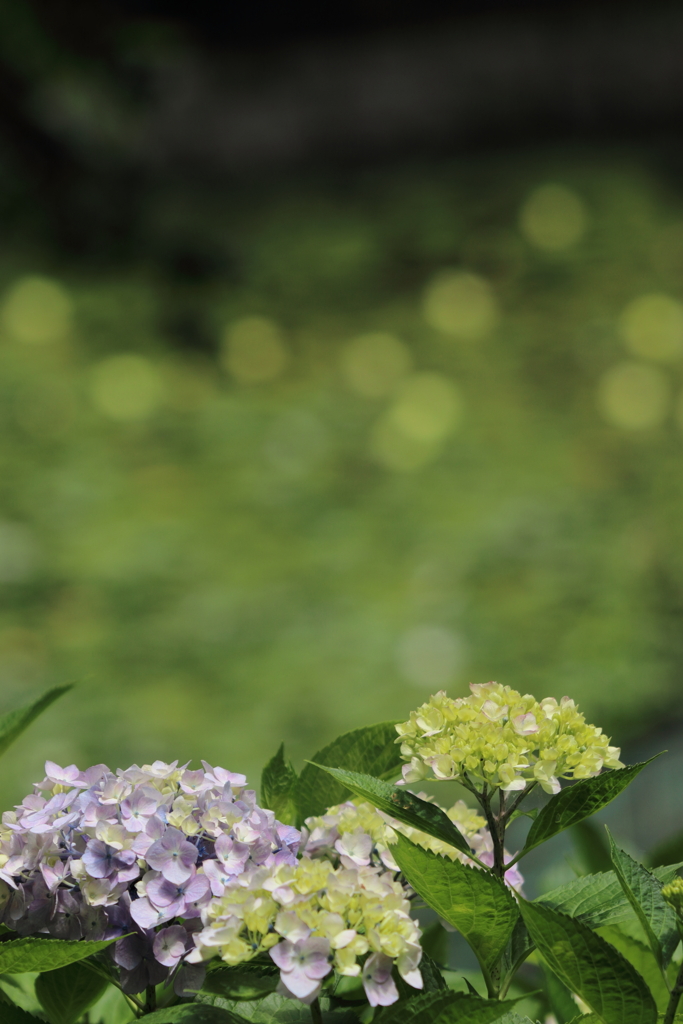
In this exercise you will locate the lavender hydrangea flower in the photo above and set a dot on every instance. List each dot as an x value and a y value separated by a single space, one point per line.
302 966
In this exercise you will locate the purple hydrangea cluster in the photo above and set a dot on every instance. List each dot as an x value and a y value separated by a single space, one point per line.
139 854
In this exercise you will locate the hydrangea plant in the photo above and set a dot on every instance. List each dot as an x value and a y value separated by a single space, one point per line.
167 894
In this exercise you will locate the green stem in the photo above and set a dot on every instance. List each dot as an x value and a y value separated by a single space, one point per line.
151 1002
674 999
316 1012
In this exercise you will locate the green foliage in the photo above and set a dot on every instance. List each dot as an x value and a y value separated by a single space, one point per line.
278 788
15 722
639 954
251 980
590 967
578 801
192 1013
473 901
68 992
561 1003
370 751
35 954
597 900
15 1015
402 804
447 1008
644 892
667 852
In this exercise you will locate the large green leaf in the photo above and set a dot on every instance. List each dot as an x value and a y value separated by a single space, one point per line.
579 801
278 788
644 893
590 967
642 958
192 1013
372 751
560 998
251 980
275 1009
597 900
15 1015
33 954
15 722
68 992
475 902
403 805
446 1008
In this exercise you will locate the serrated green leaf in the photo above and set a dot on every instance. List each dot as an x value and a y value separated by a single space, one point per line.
579 801
644 893
15 722
447 1007
372 751
15 1015
33 954
559 997
278 788
242 983
642 958
68 992
475 902
402 805
192 1013
597 900
275 1009
590 967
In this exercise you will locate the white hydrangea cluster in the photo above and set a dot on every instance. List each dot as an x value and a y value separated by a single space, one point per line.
502 739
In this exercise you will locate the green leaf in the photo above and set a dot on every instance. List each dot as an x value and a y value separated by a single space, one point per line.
597 900
579 801
15 722
251 980
192 1013
560 998
517 950
403 805
590 967
32 954
644 893
68 992
475 902
372 751
434 942
278 788
15 1015
642 958
447 1008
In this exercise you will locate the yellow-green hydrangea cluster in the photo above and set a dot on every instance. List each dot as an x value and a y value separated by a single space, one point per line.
673 894
359 835
313 918
503 739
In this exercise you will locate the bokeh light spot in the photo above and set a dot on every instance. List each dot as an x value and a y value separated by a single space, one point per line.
634 396
461 304
553 218
652 326
373 364
37 310
126 387
254 350
428 407
429 656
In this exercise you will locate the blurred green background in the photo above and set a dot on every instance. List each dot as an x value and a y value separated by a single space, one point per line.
418 424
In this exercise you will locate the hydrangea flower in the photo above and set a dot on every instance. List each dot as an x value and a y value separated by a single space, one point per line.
98 854
500 739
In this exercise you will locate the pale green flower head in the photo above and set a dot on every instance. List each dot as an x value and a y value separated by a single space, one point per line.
673 894
503 739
